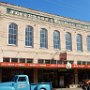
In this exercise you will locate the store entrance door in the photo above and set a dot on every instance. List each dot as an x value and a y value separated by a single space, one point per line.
58 77
61 81
66 77
48 76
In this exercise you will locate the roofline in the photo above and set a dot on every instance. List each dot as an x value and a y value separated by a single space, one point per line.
82 21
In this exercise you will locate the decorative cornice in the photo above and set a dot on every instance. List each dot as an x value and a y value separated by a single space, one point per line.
48 19
41 16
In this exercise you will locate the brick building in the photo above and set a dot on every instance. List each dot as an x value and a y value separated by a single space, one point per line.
44 46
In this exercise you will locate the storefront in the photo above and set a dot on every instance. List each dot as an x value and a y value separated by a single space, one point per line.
58 76
8 73
24 54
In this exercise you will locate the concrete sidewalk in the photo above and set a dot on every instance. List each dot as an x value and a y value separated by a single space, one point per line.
68 89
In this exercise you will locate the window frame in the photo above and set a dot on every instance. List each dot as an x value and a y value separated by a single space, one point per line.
8 35
56 39
28 27
80 47
68 41
88 43
44 40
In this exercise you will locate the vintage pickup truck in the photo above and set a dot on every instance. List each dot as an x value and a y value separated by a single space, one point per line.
21 82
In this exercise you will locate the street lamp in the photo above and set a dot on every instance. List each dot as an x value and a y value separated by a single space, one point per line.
68 65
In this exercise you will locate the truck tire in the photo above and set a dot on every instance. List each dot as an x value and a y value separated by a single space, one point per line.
42 89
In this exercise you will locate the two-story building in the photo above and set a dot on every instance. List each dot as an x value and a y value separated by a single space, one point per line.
44 46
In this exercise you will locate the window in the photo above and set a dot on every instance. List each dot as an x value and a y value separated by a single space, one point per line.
59 62
41 61
53 61
56 39
29 36
29 60
14 59
47 61
88 43
6 59
12 34
22 60
79 42
88 63
22 79
79 62
43 38
68 41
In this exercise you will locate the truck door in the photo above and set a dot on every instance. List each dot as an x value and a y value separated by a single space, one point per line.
22 84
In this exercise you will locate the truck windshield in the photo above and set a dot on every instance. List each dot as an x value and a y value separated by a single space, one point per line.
15 79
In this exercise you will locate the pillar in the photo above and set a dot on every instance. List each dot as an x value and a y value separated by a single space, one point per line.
76 76
0 75
35 75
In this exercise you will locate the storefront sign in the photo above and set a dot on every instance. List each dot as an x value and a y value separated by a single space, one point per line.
81 66
8 64
63 56
31 65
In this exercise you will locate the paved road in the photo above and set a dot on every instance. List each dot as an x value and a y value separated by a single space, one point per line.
68 89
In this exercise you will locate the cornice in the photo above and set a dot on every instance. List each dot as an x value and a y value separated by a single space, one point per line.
54 19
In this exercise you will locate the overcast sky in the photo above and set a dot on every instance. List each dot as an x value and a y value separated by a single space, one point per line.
77 9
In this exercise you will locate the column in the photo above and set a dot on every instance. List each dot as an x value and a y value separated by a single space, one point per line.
35 75
62 42
0 75
76 76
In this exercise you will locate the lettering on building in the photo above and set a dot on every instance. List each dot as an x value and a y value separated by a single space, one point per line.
45 18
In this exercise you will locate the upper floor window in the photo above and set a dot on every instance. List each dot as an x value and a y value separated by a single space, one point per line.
88 43
29 36
43 38
56 39
79 42
12 34
68 41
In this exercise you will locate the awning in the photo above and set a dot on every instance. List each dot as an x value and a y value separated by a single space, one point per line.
31 65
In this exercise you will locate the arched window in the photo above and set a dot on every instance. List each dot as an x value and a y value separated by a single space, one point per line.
12 34
43 38
29 36
88 43
79 42
56 40
68 41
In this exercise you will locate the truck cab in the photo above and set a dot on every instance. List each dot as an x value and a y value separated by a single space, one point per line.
21 82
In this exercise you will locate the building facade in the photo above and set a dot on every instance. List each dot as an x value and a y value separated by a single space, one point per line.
44 46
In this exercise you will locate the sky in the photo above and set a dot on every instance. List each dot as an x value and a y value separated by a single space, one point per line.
76 9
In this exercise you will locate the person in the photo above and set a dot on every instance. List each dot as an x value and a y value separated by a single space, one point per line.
86 85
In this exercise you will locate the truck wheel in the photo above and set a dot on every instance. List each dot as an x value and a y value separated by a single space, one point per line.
42 89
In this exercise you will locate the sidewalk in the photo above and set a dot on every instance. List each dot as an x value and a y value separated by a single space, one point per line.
68 89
